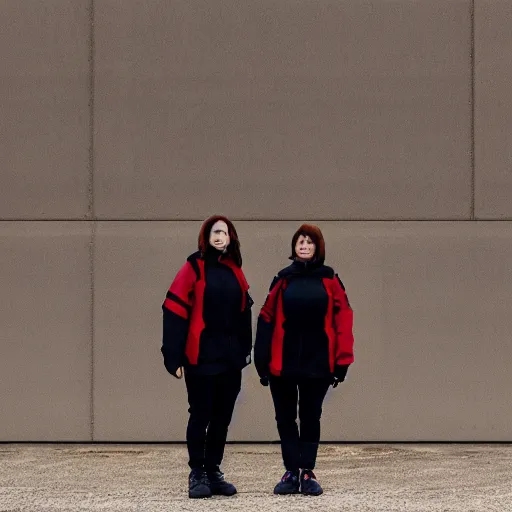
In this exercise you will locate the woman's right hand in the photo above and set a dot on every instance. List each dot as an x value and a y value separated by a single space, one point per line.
179 373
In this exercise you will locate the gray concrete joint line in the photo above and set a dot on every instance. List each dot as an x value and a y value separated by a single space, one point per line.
90 188
473 109
96 220
90 210
92 339
234 219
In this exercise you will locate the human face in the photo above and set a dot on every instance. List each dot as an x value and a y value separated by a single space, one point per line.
305 248
219 236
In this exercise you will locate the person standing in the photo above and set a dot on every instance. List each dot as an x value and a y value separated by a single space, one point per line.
304 344
207 331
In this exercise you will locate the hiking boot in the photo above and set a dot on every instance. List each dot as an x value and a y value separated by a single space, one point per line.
308 483
198 484
289 483
218 485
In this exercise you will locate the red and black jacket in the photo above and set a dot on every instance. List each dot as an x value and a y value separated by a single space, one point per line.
287 346
190 337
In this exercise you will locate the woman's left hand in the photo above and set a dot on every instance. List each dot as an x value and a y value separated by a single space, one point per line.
340 372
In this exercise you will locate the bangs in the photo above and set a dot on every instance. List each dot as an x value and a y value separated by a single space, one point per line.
314 233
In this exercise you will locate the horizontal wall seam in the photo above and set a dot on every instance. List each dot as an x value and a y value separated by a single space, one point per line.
234 219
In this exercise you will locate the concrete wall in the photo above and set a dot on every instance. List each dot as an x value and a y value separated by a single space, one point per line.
388 123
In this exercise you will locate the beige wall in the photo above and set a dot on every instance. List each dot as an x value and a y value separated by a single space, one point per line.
373 119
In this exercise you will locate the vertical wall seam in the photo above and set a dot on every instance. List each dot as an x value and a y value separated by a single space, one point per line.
90 206
91 213
473 110
92 246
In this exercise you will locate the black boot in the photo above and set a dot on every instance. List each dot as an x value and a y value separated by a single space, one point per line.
308 483
289 483
198 484
218 485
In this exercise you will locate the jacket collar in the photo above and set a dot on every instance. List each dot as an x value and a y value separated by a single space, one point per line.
299 267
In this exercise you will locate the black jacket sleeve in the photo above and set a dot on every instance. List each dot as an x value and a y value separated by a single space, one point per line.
263 343
175 331
246 328
176 312
262 347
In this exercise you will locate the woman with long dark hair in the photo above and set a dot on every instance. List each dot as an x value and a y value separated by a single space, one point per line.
304 344
207 332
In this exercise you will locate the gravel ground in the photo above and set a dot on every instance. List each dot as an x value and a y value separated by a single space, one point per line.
359 478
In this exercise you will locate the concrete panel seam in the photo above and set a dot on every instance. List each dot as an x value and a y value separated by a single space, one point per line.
90 187
90 214
234 219
304 219
473 109
92 339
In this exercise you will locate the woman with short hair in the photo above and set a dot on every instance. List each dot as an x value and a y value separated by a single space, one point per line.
304 344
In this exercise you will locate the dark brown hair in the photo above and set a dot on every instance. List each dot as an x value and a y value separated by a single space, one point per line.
233 249
316 236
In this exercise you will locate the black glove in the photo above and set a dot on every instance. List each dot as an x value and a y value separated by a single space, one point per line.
264 381
171 367
340 372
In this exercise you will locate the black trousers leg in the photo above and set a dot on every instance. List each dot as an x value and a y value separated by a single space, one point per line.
285 395
200 398
226 388
311 396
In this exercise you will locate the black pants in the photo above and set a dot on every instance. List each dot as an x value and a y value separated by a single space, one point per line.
299 449
212 400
